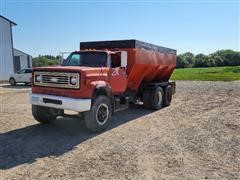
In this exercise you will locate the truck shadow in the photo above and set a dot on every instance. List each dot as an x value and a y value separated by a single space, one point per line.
25 145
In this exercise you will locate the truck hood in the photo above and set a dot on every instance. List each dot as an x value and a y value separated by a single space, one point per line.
63 68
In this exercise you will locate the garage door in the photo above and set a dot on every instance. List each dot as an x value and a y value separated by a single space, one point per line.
16 63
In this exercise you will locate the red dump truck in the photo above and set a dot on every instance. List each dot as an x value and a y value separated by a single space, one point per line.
102 78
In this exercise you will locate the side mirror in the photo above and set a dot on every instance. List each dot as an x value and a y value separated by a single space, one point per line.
123 58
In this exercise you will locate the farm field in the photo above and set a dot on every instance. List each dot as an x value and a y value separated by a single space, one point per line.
197 137
226 73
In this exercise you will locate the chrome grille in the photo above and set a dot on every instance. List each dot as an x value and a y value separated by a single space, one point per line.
56 79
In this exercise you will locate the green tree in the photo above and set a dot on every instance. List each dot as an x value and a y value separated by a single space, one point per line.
181 62
201 60
185 60
219 61
229 57
218 58
45 60
189 57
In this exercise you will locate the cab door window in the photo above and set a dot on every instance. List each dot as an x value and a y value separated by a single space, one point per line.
115 60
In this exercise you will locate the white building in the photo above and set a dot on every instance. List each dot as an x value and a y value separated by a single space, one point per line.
11 60
6 48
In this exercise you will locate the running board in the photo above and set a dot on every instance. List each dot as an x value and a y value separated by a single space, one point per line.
121 104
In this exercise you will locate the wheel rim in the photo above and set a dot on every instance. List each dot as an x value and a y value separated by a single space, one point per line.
159 98
102 114
11 81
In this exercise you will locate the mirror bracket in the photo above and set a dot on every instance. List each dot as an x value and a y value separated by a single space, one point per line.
124 59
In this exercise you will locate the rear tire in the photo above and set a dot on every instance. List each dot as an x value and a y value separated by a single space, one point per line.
146 98
98 118
156 98
45 115
167 96
12 81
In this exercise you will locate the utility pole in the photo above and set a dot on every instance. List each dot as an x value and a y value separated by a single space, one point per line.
61 56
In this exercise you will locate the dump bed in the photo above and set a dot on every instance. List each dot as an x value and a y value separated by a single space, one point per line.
146 62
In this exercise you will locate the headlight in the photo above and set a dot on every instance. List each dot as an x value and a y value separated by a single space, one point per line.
73 80
38 78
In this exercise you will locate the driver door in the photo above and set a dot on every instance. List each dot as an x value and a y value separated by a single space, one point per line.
118 75
20 75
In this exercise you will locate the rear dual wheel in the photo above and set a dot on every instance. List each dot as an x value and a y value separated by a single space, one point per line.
167 96
156 98
153 98
146 98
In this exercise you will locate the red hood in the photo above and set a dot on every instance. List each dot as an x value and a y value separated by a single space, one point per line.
62 68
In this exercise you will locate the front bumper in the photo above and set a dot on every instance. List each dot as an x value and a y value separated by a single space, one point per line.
59 102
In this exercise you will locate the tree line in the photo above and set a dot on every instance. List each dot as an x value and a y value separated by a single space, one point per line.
45 60
218 58
185 60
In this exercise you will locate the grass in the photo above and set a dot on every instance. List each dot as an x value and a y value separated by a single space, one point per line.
227 73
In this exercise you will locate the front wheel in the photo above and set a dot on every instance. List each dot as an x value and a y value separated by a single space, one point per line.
12 81
45 115
98 118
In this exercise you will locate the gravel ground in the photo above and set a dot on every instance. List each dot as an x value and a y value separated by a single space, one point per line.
197 137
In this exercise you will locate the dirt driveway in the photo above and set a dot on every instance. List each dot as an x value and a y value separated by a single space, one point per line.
197 137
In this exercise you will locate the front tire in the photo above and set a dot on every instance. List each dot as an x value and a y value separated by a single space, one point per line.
98 118
45 115
12 81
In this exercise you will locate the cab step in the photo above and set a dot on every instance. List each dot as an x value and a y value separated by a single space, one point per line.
121 103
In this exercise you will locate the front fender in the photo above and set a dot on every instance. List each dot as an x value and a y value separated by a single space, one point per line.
101 88
98 84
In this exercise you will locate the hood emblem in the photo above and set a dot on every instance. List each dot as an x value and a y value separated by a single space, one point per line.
53 79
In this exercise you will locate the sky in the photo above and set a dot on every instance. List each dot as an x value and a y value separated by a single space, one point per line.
54 26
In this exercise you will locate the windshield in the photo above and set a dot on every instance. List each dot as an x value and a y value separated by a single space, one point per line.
90 59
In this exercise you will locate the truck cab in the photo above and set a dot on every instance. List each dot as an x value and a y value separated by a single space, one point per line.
111 66
77 84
